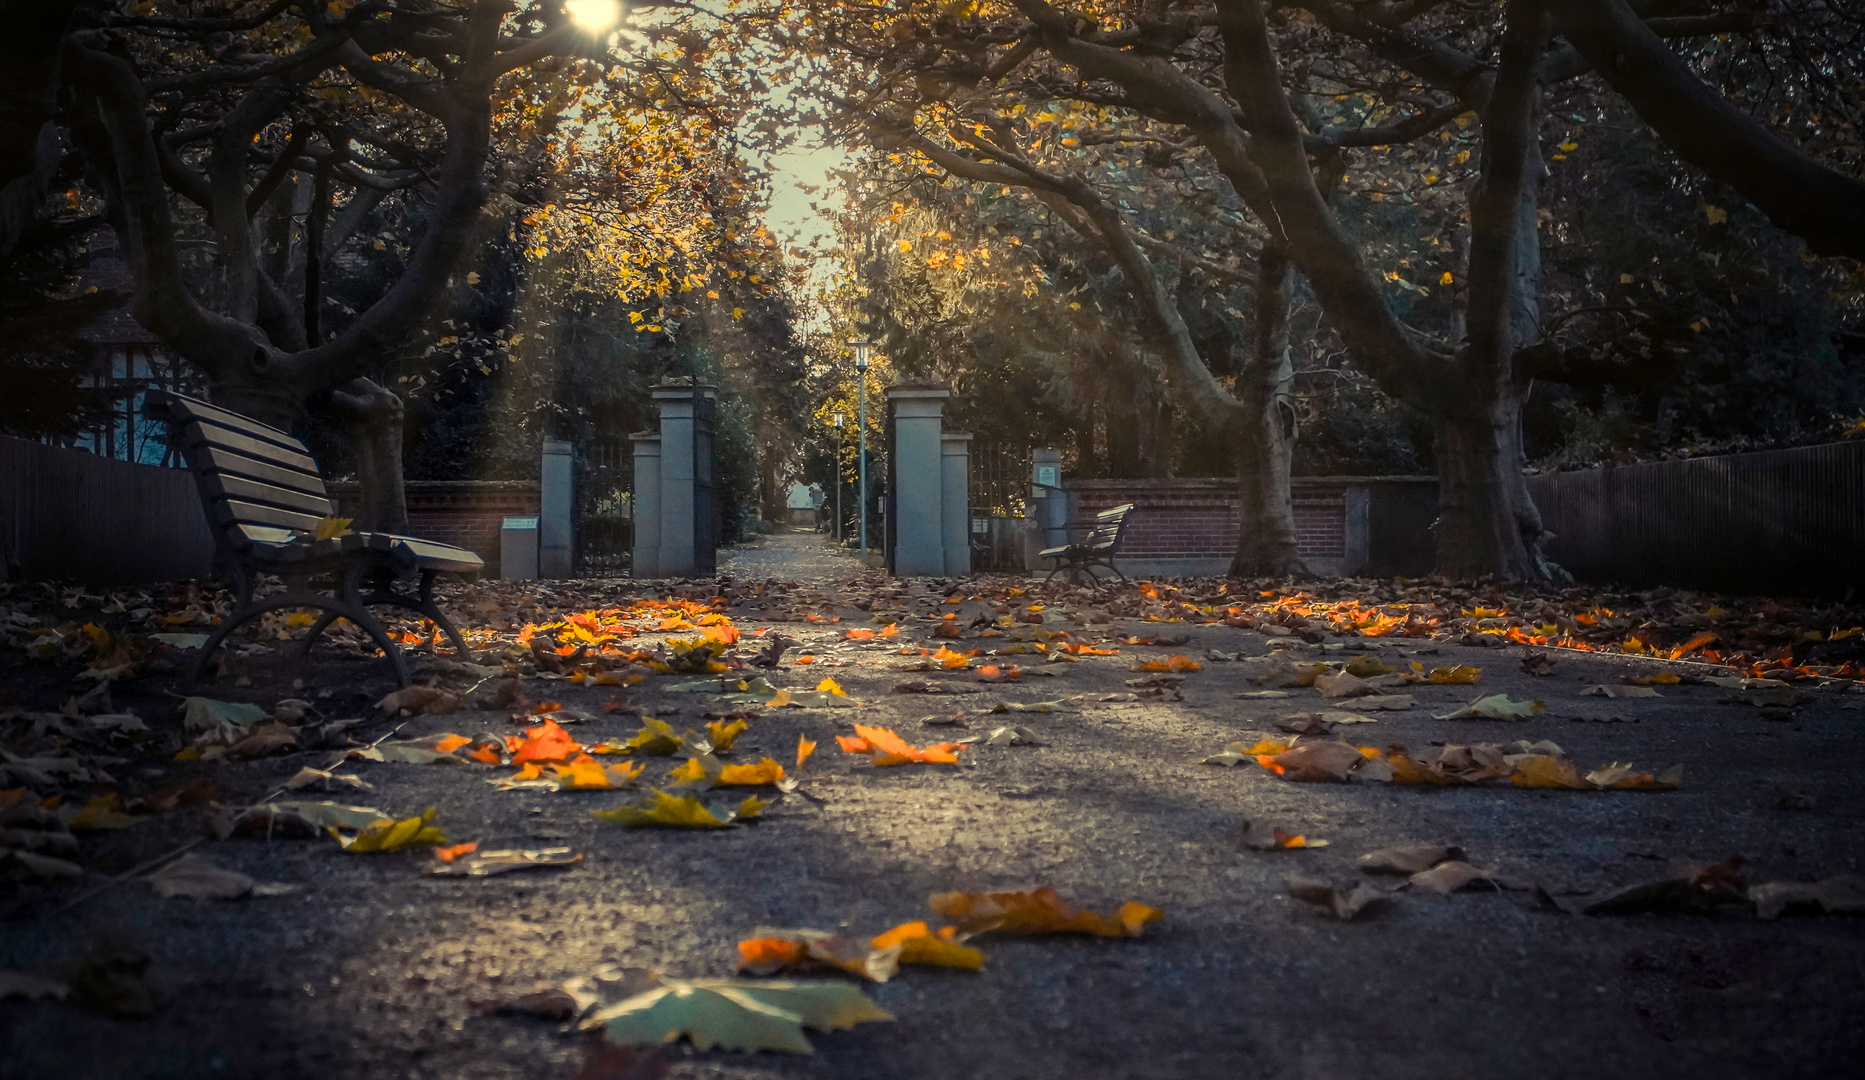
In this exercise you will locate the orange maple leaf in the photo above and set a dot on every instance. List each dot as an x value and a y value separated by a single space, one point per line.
546 742
887 748
1039 911
448 854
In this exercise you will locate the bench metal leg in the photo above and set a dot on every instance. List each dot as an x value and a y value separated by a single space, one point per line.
346 604
382 592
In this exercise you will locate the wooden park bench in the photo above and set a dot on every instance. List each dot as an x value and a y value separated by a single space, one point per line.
265 500
1099 544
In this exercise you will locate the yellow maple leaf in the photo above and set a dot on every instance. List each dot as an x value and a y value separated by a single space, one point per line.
919 945
390 835
332 527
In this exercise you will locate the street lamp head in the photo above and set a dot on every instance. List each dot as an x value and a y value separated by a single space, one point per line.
861 347
838 419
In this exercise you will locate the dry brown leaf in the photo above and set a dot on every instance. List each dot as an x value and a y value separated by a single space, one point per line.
1843 894
1408 860
1316 762
1343 904
1344 685
419 701
1448 877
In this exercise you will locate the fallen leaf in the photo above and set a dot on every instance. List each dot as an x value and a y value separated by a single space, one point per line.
448 854
1343 904
204 714
1407 860
103 812
1843 894
1699 888
1236 753
1367 666
330 528
736 1015
387 835
1264 837
681 812
194 877
1628 777
24 986
1013 736
1547 771
885 748
109 980
1389 702
1289 674
919 945
1661 678
1619 691
489 863
722 734
1536 662
1057 705
1448 675
1038 911
1344 685
1176 663
1315 762
546 742
815 950
1448 877
1496 707
419 701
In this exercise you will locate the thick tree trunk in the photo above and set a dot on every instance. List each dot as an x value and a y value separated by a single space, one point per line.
375 416
1487 523
1266 541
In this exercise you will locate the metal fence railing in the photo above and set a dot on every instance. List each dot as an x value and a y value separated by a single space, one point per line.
1774 521
1000 480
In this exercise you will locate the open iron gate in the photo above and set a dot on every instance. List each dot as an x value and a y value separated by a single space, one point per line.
604 532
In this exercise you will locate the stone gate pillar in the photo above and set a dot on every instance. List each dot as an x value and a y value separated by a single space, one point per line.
955 502
1048 507
647 508
918 526
557 511
688 522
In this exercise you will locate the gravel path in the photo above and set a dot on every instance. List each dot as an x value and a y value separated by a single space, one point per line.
372 970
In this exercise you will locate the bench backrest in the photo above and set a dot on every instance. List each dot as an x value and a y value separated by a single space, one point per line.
1108 525
258 483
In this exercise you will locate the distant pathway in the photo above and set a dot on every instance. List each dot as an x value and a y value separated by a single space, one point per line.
793 554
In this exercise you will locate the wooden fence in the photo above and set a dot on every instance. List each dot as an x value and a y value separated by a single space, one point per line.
71 515
1785 521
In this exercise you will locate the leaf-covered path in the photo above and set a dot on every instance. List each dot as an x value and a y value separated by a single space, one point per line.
373 968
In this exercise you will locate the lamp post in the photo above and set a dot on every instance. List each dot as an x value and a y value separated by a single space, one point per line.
861 347
838 478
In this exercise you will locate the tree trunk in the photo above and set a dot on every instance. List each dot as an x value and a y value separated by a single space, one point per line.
375 416
1487 523
1266 542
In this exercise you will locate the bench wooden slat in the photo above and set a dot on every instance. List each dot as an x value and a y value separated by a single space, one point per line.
426 553
200 435
238 487
193 410
233 512
227 462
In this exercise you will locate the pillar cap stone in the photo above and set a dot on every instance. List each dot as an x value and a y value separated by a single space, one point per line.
919 388
682 388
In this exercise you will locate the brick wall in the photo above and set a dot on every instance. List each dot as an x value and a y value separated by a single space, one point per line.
464 513
1190 526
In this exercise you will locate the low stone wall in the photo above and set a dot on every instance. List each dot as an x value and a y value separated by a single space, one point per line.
1343 524
464 513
